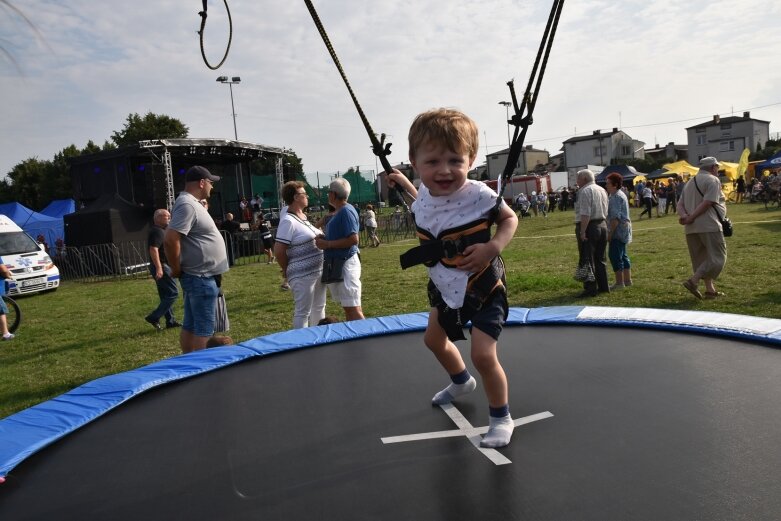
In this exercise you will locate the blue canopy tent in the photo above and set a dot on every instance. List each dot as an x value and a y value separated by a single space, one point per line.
59 208
773 162
34 223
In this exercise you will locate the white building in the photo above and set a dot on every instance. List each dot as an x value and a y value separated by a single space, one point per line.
725 138
600 148
528 161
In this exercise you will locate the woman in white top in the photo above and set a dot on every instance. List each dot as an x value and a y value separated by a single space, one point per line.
298 257
370 221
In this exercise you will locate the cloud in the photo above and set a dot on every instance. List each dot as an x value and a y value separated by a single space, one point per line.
630 64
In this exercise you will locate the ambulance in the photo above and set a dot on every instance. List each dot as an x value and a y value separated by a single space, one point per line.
31 267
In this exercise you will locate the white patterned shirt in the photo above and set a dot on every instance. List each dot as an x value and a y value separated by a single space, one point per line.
304 257
436 214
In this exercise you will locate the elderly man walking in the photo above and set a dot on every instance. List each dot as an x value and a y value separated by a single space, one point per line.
700 210
196 254
161 273
591 231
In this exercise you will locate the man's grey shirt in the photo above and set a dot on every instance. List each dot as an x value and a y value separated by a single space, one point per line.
202 248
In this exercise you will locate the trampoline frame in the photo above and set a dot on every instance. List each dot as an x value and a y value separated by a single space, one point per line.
29 431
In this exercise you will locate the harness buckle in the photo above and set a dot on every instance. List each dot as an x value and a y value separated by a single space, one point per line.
451 248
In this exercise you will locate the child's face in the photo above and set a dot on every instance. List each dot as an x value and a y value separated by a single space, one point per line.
442 171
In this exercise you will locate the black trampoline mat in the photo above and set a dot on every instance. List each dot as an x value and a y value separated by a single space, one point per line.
645 425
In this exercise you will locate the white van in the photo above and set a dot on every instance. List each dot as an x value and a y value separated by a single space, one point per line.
31 267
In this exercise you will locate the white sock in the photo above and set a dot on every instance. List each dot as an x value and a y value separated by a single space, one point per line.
500 430
449 393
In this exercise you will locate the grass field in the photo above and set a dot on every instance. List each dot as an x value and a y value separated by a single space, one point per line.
87 330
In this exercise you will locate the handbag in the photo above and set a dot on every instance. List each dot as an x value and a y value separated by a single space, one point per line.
726 222
584 273
332 270
726 225
221 321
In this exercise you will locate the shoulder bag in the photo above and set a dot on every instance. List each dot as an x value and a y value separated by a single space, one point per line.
726 222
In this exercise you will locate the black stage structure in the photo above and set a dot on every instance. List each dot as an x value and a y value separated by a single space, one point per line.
621 414
150 173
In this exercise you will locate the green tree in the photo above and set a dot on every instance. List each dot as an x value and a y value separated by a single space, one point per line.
151 126
6 191
771 148
26 180
35 183
58 183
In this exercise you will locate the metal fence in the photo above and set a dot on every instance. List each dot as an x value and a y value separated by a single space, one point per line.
131 259
103 261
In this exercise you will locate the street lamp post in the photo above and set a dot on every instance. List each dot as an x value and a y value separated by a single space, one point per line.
234 80
507 111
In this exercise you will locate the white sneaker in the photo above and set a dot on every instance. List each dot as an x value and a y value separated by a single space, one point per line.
616 287
8 336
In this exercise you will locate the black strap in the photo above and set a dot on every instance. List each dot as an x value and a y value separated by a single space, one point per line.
713 206
522 118
482 287
431 251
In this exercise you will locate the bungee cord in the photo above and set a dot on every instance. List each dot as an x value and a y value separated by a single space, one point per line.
522 118
380 148
203 15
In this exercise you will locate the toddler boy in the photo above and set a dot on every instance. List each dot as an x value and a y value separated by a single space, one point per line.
453 215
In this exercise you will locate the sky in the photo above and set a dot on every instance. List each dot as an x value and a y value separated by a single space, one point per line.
649 68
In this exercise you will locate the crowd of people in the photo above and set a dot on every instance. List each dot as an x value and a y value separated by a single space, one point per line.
543 203
764 188
466 272
660 195
314 257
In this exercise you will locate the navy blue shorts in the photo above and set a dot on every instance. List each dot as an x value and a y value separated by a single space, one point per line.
492 316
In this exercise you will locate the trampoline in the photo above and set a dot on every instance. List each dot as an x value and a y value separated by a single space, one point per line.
621 413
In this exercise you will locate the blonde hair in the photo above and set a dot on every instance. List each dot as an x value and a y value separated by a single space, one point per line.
449 128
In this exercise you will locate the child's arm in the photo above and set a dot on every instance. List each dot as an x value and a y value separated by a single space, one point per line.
397 178
477 256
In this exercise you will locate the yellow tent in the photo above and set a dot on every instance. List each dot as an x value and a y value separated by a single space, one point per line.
729 174
682 168
728 170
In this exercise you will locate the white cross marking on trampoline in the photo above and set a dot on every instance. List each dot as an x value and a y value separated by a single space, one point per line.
466 429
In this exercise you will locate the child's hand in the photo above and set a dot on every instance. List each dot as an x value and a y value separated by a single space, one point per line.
394 178
477 256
